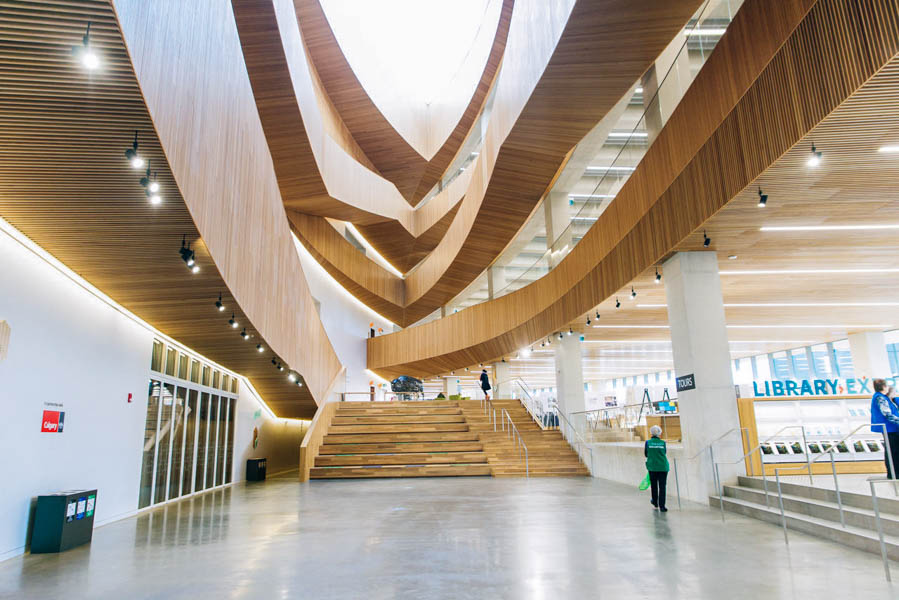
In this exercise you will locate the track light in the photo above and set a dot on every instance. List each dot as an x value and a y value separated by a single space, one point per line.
232 322
151 186
154 198
706 240
219 305
570 331
299 383
244 334
260 348
815 159
597 315
543 344
658 276
131 154
560 335
84 53
280 367
188 256
763 199
504 359
274 362
633 293
291 377
617 303
588 320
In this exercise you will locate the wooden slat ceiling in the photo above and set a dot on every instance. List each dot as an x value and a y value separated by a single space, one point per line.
822 64
391 155
65 183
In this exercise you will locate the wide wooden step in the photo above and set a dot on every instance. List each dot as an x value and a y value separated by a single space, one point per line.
423 405
396 419
401 459
433 436
460 470
390 448
402 428
399 410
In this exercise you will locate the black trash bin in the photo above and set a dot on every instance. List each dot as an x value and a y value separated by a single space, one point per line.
256 469
63 520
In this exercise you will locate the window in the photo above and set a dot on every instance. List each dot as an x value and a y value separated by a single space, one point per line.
781 365
822 360
843 359
800 363
188 434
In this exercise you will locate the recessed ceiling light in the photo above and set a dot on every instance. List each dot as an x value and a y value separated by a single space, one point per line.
700 31
732 257
888 149
806 271
832 227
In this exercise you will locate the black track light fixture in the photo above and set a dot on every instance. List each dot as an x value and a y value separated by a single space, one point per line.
219 305
291 376
280 367
763 199
570 331
815 158
244 334
706 240
133 157
232 321
597 315
658 276
633 293
588 321
84 53
617 303
151 186
274 362
504 359
560 335
260 348
543 344
188 256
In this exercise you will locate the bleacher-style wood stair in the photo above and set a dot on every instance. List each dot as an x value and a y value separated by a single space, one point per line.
549 454
437 439
399 439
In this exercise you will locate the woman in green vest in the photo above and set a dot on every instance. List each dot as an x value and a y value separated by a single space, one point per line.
656 452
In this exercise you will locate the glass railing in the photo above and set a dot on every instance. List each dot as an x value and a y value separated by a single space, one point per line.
528 258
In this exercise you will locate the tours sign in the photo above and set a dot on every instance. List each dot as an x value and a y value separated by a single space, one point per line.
813 387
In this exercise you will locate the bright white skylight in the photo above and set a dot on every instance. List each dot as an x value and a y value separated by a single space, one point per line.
408 49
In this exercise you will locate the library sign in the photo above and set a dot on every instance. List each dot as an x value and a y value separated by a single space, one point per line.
814 387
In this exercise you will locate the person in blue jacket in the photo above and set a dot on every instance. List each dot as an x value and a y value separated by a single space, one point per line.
885 418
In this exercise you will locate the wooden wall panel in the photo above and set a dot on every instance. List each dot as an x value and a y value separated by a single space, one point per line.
189 65
826 51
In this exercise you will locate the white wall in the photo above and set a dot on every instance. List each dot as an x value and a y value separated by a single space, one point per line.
346 322
69 347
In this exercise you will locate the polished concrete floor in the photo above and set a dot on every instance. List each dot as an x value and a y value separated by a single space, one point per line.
443 538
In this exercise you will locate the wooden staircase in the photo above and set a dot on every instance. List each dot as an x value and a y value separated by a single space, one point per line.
549 454
399 439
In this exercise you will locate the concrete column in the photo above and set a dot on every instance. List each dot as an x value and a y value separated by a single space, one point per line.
501 376
569 374
869 354
699 343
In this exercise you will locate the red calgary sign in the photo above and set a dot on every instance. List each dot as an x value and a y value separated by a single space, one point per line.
53 421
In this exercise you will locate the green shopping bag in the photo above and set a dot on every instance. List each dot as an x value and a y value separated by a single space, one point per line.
645 483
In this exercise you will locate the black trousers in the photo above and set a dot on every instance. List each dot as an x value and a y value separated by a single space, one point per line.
893 436
657 482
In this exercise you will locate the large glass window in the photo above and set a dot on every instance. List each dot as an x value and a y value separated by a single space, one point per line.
762 367
843 358
202 441
822 360
800 363
149 455
164 443
177 441
781 365
190 436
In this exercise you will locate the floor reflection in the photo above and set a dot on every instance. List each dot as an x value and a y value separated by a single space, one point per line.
202 519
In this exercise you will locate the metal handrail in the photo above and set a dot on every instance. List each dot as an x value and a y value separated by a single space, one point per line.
504 414
527 405
830 451
580 440
761 462
883 547
489 410
702 450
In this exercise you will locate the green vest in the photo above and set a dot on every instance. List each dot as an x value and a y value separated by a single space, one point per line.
656 459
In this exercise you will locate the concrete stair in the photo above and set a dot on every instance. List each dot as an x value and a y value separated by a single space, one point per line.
815 511
605 436
549 455
399 439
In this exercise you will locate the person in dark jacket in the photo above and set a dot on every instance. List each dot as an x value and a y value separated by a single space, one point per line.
656 453
885 418
485 383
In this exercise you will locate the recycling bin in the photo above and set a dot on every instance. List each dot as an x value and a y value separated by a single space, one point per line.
256 469
63 520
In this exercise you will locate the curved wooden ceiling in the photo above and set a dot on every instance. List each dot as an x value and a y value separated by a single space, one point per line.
65 183
392 156
822 63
